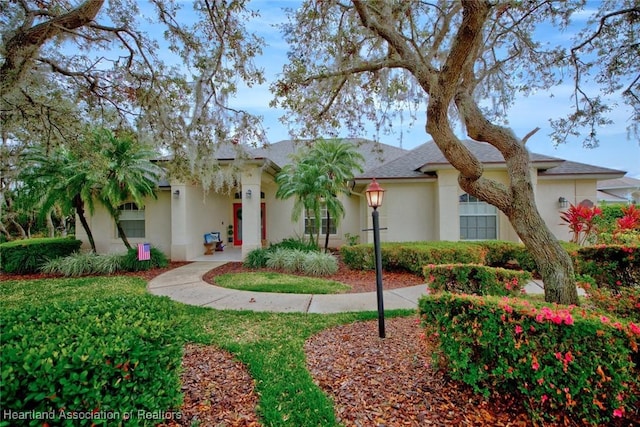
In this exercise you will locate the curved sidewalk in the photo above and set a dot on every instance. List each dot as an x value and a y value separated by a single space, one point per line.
185 284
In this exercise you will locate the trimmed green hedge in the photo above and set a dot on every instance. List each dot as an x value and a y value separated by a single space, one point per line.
475 279
118 356
29 255
612 266
559 359
412 256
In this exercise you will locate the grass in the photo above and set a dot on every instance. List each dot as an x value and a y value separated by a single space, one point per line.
281 283
269 344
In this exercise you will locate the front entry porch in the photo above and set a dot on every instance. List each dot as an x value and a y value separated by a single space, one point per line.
229 253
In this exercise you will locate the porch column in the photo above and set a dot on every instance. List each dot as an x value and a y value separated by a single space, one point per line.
251 233
179 222
448 221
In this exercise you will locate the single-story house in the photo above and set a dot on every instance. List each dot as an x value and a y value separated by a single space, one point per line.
422 202
619 190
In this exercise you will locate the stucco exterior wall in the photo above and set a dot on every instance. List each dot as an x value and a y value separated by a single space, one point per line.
408 212
157 227
548 193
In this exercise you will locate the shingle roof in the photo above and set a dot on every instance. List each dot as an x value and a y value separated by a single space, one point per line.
619 183
574 168
374 153
428 158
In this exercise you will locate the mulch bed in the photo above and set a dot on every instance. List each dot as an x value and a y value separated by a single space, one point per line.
359 281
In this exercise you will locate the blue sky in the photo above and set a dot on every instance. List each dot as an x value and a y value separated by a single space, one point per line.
616 150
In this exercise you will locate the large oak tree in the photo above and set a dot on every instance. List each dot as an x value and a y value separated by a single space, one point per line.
458 62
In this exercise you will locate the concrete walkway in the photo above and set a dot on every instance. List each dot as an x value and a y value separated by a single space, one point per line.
185 284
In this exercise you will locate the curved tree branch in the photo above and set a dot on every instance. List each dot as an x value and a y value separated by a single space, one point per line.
23 46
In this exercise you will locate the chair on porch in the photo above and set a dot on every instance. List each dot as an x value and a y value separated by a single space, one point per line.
213 242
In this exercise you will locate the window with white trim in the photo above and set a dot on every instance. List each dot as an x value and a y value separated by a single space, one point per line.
478 219
131 220
310 223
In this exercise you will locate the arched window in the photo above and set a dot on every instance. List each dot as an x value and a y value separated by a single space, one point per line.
478 219
131 220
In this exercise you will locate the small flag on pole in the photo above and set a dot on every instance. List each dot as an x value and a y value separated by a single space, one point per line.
144 251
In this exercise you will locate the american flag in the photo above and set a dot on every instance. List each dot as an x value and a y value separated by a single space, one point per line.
144 251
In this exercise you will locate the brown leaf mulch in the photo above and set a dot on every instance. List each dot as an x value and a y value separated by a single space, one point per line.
359 281
218 390
392 381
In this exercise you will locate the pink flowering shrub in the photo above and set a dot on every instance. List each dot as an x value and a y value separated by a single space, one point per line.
475 279
611 266
560 359
624 302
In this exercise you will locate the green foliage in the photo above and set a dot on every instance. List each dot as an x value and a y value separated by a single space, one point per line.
80 264
559 359
319 264
271 345
291 260
130 262
475 279
358 257
256 258
28 256
278 258
611 266
412 256
295 260
109 355
280 283
352 239
300 243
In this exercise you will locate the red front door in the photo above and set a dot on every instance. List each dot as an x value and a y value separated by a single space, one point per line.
237 223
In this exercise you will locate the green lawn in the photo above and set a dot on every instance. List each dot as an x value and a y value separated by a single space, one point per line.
54 330
280 283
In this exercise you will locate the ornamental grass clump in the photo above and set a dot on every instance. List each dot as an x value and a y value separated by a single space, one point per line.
560 359
319 264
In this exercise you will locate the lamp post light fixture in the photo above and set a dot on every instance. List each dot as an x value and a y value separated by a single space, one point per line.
375 194
176 194
248 194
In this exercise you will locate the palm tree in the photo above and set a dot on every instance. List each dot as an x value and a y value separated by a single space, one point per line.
337 160
316 177
60 178
129 173
304 181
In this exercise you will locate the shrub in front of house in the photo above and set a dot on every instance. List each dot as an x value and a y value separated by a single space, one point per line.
358 257
293 260
300 243
118 355
319 264
558 359
29 255
412 257
257 258
130 261
623 301
611 266
475 279
83 263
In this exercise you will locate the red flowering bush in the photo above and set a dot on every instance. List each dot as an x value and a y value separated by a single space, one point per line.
475 279
582 222
560 359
